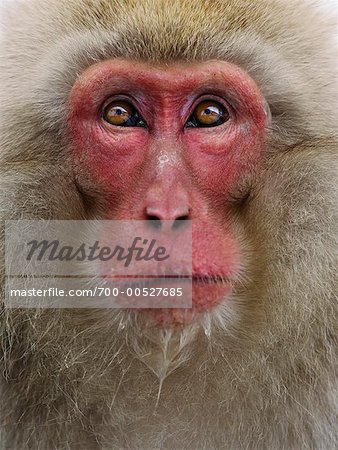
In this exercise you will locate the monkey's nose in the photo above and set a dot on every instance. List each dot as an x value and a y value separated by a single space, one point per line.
172 218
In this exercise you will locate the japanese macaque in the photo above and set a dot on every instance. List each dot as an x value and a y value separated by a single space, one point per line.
220 112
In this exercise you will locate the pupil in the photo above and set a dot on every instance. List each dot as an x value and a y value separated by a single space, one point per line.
119 112
207 111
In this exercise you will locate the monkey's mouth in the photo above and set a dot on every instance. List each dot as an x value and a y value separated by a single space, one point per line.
148 281
142 280
200 294
206 294
209 291
202 280
172 300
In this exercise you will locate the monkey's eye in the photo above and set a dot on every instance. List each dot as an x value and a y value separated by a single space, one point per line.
208 113
122 114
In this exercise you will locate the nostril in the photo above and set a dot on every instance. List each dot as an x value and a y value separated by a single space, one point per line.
166 217
155 221
179 221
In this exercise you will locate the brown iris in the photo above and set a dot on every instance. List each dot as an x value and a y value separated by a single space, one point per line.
208 113
123 114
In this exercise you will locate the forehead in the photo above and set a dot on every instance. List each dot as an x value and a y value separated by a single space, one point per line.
159 72
174 78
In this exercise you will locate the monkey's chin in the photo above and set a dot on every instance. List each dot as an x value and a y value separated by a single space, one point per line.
205 297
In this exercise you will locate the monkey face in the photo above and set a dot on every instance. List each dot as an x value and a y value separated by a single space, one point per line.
172 143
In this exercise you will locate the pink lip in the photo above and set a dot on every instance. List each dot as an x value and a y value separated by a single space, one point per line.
207 293
210 279
195 277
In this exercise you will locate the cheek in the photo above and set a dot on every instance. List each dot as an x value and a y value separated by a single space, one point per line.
109 160
223 158
215 249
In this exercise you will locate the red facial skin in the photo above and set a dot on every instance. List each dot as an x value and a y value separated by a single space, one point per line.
168 170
